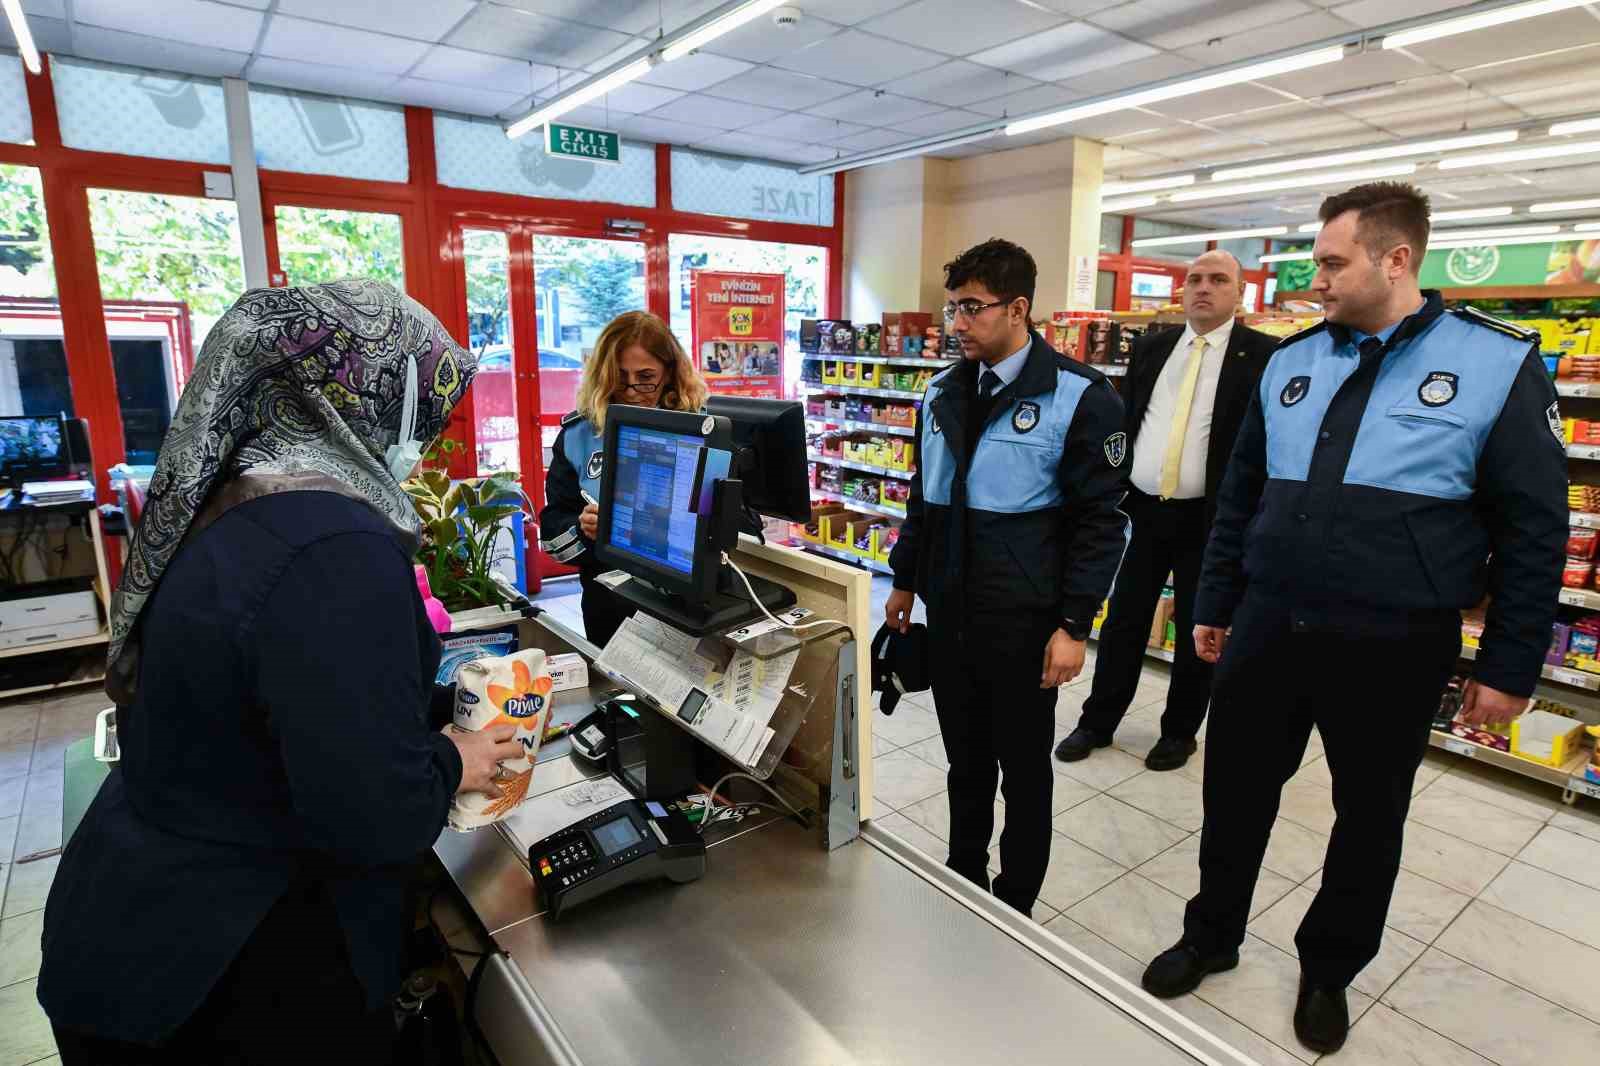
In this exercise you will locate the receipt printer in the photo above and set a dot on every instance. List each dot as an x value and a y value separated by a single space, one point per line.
631 840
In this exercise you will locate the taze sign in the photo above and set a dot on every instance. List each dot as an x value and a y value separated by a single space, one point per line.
738 332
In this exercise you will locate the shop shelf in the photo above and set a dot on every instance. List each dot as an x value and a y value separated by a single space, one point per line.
1583 451
1561 675
818 457
1583 520
857 505
814 389
844 556
1568 778
882 360
872 427
1164 654
1580 598
1579 389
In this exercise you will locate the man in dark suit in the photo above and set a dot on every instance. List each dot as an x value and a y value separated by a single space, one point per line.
1186 395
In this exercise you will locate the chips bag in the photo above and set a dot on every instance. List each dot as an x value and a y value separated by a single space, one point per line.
506 690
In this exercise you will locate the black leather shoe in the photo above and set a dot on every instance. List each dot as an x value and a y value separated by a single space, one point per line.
1321 1017
1079 743
1170 753
1181 968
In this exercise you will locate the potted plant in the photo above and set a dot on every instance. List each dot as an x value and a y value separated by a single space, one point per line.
462 521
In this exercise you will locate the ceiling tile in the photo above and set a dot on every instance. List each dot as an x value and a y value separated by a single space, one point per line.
1116 123
1377 67
1231 100
958 27
1026 102
759 41
942 122
1081 8
870 139
317 42
1247 44
959 83
1552 100
859 59
626 16
1064 52
718 114
1367 13
808 128
630 47
1179 23
849 12
469 101
132 49
780 88
1565 28
665 131
1127 75
636 99
874 107
695 72
509 32
424 19
185 21
766 148
317 77
49 35
50 9
458 66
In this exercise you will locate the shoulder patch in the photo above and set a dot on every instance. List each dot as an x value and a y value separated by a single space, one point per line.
571 417
1303 334
1499 325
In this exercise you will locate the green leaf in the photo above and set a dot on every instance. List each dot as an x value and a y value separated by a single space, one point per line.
444 531
491 515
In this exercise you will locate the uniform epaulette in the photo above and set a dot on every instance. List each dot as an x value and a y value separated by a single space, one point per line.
1303 334
571 417
1510 329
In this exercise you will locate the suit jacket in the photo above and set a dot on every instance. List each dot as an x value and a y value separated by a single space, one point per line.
1242 364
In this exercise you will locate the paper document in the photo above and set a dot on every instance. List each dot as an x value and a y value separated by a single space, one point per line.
554 811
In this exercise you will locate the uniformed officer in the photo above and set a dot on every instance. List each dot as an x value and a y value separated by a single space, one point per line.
1398 461
1012 537
636 361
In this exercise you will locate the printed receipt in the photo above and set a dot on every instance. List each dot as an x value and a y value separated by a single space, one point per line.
665 663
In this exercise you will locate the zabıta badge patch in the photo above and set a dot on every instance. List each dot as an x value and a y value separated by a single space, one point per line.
1295 391
1025 417
1553 415
1116 448
597 463
1438 388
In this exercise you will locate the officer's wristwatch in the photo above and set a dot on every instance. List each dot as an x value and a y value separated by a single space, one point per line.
1077 630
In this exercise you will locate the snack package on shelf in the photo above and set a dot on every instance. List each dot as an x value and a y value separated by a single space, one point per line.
810 337
833 445
811 373
899 327
850 373
868 336
816 407
1560 640
1103 342
1578 573
900 414
1592 770
1584 499
838 337
1581 543
831 480
833 371
887 538
894 493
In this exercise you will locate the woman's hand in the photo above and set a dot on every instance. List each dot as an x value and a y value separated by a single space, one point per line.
589 521
481 754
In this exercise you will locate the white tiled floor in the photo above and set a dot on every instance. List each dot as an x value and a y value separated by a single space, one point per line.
1494 933
1493 946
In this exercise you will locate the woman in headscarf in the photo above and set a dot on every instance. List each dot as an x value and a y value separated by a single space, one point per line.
236 892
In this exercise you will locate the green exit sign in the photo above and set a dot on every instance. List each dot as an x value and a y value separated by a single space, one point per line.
580 142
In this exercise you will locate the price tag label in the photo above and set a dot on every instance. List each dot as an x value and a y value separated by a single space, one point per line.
1583 520
1576 389
1574 598
1576 678
1461 747
1584 451
1584 786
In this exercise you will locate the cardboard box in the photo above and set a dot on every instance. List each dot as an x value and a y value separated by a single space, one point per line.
1545 738
568 671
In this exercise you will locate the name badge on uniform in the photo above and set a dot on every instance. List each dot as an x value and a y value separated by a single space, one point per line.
1116 448
1295 391
597 463
1025 417
1438 388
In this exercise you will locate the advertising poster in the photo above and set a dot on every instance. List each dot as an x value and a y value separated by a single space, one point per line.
738 332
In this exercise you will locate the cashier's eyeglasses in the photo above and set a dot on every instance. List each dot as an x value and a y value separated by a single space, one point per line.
969 309
644 386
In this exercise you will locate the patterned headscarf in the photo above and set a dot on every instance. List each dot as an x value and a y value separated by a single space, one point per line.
291 381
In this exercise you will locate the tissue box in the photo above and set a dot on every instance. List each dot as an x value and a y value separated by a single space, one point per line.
568 672
1542 737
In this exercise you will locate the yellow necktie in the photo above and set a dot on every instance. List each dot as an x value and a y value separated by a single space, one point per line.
1180 420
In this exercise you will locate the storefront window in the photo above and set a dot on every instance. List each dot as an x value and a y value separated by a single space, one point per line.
16 121
805 265
476 154
313 134
318 244
33 354
746 188
487 258
105 108
159 253
1111 234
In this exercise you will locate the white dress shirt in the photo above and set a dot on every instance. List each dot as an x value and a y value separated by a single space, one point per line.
1151 450
1010 368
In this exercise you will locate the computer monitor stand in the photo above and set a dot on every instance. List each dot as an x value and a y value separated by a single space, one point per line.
728 608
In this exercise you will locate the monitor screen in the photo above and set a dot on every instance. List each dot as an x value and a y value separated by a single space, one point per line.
31 441
655 510
617 835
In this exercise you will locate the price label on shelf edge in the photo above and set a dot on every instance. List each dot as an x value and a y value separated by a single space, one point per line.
1583 785
1575 678
1461 747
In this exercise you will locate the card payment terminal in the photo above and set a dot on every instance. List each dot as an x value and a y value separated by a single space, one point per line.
628 841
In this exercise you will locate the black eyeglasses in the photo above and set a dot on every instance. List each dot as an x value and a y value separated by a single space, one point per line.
643 388
969 309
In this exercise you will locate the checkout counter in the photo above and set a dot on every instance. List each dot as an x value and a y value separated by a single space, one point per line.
838 944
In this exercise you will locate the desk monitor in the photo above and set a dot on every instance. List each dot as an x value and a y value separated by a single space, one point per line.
33 448
769 439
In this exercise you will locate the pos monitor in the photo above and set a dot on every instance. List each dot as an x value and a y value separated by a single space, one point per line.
769 438
668 511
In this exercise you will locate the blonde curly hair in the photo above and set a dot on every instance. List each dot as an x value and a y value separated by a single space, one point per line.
682 388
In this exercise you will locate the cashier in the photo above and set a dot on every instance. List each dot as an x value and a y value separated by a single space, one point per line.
237 891
636 361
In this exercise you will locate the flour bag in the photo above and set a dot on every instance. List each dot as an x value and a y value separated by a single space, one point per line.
506 690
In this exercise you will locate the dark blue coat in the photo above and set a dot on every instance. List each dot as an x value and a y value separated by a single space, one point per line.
279 735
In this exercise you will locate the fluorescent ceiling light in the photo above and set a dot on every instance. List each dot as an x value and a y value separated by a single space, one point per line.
1563 205
1121 188
19 30
1586 227
1502 231
1286 257
1219 235
1517 155
592 89
1469 212
1526 239
1366 155
1582 125
1299 181
717 27
1308 227
919 148
1183 87
1481 20
1129 204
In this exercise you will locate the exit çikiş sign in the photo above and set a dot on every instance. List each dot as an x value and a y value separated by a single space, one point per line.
580 142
